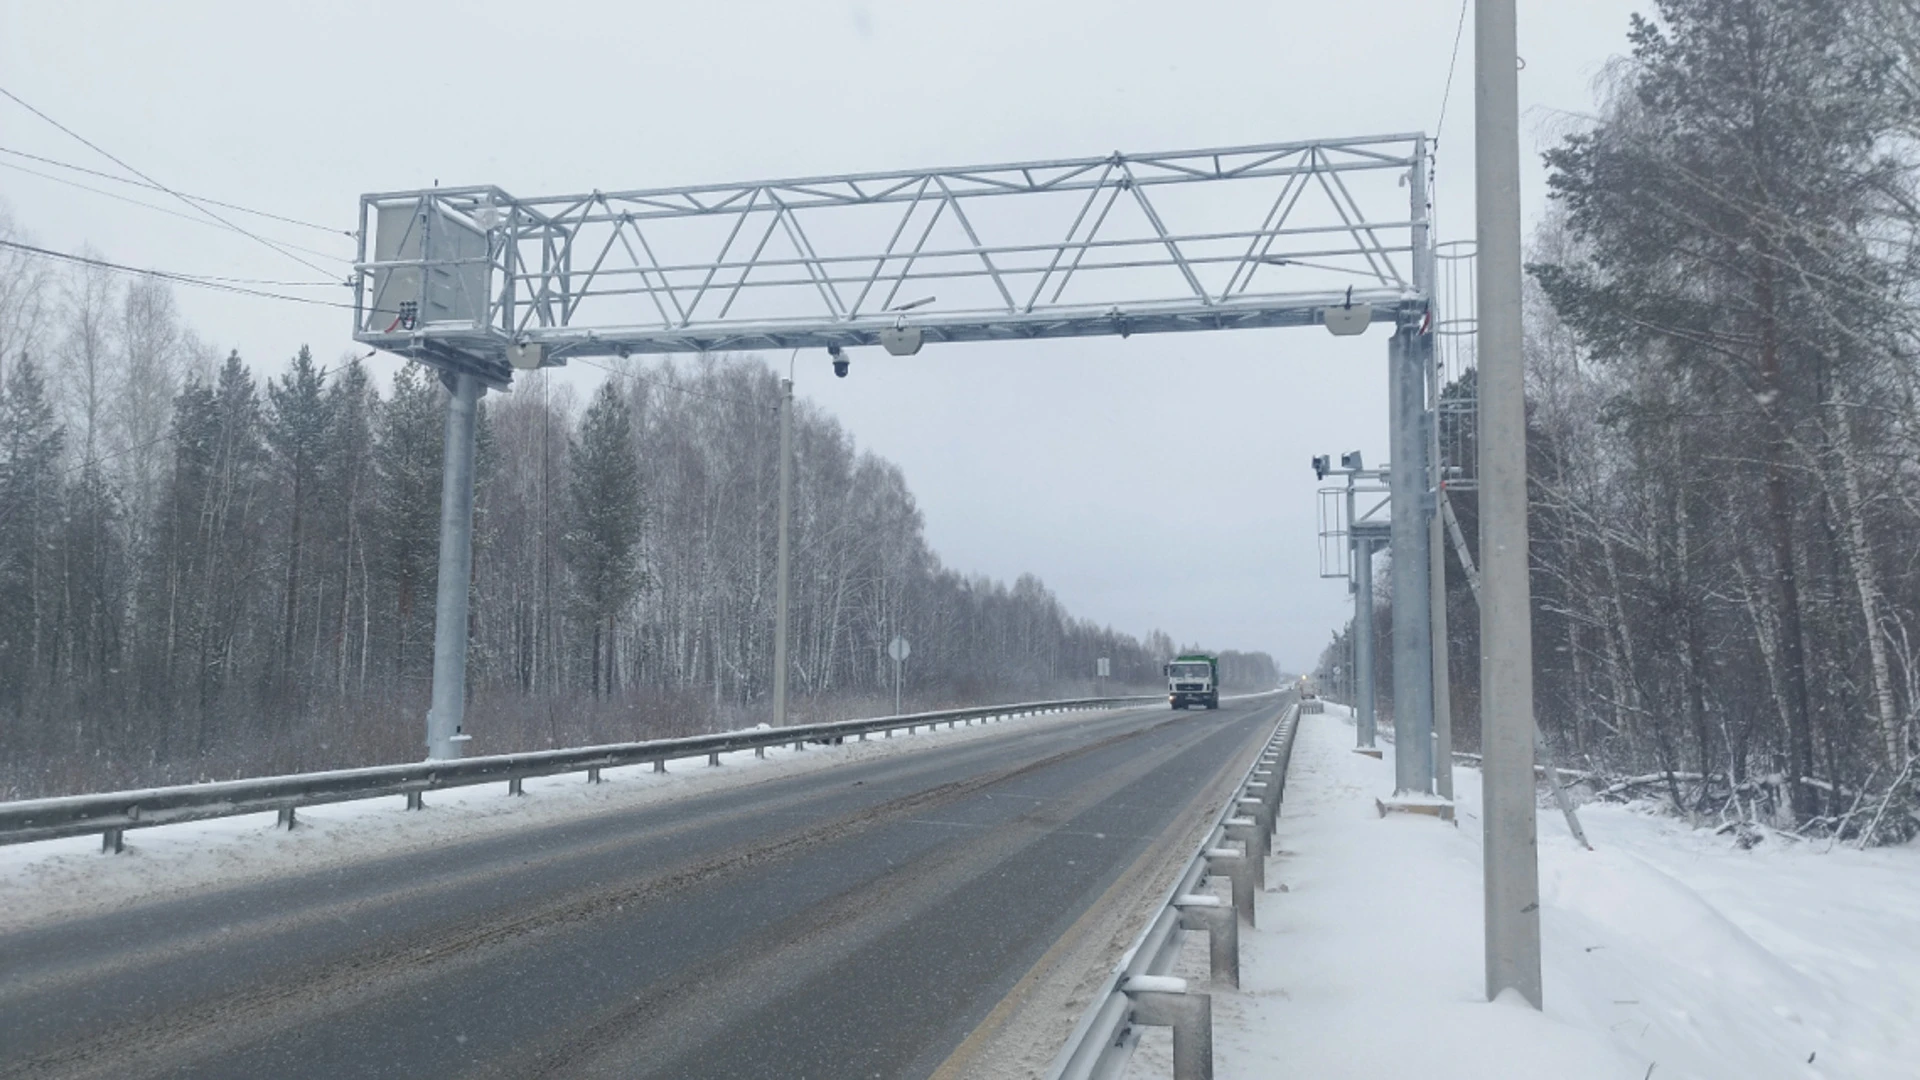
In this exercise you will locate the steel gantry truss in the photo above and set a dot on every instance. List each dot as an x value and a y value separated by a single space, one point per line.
478 283
1236 237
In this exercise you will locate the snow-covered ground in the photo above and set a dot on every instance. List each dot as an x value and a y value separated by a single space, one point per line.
60 879
1668 951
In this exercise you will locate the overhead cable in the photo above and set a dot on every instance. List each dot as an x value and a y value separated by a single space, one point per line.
156 187
232 285
189 218
96 148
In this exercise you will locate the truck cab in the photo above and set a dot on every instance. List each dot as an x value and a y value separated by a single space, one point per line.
1193 679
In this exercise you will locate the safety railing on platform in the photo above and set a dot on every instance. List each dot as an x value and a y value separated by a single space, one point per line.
1139 992
112 813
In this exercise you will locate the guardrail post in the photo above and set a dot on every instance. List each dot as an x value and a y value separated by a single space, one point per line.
516 786
1262 817
286 818
1268 792
659 764
1247 832
1238 869
415 801
1160 1001
713 758
593 775
113 842
1223 933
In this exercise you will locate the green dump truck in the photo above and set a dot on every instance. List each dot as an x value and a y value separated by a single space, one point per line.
1193 679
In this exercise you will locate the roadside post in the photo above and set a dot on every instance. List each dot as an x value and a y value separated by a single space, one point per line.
899 648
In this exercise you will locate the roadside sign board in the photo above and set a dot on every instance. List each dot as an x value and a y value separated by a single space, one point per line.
1103 667
899 649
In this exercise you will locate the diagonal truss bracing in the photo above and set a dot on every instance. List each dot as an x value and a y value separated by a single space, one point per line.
1248 236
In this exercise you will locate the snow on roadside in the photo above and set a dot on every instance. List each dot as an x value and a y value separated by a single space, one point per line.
53 880
1668 952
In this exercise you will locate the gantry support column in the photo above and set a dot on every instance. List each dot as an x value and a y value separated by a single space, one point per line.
447 715
1362 673
1437 594
1441 694
1412 626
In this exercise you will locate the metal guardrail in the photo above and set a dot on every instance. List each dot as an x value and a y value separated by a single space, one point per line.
112 813
1139 991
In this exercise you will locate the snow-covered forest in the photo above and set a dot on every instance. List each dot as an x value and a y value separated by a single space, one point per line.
1723 353
211 567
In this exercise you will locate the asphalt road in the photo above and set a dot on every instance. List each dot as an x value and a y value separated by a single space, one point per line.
855 922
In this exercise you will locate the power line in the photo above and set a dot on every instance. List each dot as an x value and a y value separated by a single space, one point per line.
1447 91
155 187
1446 94
190 202
156 209
231 285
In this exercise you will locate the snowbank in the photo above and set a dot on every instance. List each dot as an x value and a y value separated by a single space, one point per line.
1668 951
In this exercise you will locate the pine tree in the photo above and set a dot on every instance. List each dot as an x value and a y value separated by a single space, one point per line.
1717 214
603 538
297 434
408 450
30 446
345 502
94 569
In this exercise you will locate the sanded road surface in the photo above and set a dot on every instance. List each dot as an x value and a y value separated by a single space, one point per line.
855 922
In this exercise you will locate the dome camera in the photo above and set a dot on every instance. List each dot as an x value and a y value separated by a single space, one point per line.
840 361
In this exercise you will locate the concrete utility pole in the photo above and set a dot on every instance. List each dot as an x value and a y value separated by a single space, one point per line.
447 714
1506 628
780 594
1412 628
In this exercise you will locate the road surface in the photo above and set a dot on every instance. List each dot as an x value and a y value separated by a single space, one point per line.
869 920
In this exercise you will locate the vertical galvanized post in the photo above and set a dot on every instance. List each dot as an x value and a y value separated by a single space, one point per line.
781 561
1423 282
1363 642
1437 591
1407 489
1510 860
446 715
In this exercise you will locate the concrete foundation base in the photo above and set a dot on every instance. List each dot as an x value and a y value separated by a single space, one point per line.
1429 805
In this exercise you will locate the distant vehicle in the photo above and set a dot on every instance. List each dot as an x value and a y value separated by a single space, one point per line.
1193 679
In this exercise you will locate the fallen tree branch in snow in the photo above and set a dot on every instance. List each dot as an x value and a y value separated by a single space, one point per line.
1874 826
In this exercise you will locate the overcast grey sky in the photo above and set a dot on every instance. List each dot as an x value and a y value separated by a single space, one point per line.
1063 458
